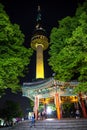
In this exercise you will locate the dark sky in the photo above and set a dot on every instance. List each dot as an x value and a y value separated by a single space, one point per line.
24 12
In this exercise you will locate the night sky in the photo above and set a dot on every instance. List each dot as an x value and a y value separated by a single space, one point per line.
24 13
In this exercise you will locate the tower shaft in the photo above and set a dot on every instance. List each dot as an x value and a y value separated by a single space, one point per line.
39 62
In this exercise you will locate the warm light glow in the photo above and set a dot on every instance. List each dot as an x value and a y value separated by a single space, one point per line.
69 99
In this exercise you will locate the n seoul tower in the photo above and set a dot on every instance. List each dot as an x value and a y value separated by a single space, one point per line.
39 42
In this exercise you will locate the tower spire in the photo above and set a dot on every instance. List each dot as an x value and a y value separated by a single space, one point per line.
38 8
38 19
39 14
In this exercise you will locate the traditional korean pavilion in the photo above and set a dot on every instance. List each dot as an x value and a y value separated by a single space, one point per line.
46 90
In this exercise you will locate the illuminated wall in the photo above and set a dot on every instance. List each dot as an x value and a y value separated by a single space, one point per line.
39 62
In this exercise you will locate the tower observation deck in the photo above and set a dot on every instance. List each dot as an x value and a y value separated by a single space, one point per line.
39 42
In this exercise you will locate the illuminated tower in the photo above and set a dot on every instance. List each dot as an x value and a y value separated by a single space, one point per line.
39 42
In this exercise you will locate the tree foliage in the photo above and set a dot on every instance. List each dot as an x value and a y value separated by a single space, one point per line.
11 110
68 48
14 56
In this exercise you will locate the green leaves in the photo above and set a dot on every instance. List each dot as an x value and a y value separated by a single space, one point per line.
14 56
68 47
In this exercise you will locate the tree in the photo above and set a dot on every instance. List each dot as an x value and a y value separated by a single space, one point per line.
14 56
68 48
11 110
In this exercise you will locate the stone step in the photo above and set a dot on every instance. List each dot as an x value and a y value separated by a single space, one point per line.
63 124
36 128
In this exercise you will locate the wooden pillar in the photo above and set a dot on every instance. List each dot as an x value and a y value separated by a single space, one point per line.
86 101
83 106
57 103
36 105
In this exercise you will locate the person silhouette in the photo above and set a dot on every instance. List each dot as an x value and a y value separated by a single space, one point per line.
32 120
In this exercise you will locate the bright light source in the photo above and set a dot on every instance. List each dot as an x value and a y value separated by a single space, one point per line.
50 119
49 110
